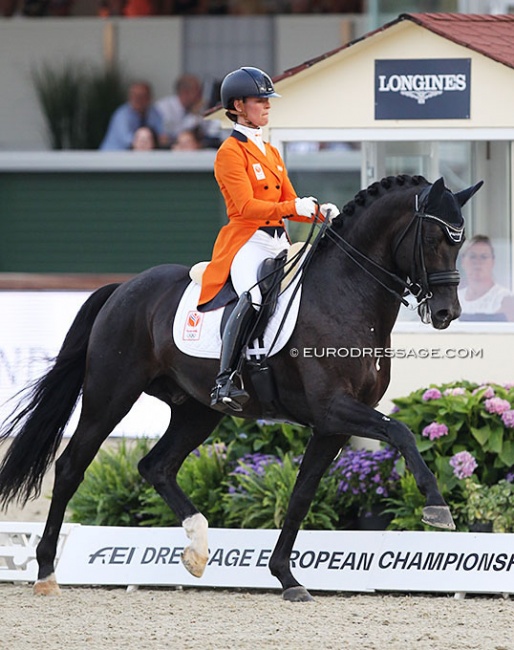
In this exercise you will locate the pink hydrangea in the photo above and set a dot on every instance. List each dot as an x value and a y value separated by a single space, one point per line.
508 418
455 391
464 464
431 393
435 430
496 405
488 393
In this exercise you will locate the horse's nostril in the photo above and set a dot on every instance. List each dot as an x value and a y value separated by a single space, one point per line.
442 318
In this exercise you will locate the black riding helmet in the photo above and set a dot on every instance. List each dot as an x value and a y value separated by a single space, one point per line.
246 82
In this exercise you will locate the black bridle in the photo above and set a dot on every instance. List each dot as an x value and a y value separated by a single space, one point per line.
419 283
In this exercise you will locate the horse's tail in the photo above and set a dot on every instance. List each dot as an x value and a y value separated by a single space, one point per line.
39 426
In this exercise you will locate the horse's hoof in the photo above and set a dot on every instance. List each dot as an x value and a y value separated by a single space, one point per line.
46 587
194 562
297 595
439 517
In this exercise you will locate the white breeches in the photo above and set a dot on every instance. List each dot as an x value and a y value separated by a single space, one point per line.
243 271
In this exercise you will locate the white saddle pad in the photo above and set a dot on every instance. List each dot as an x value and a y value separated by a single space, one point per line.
197 333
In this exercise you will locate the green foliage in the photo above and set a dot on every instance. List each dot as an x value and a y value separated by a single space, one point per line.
250 436
77 102
490 503
114 494
259 497
110 494
202 477
104 91
407 509
448 421
473 426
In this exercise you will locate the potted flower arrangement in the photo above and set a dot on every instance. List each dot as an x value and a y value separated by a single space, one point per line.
365 479
462 430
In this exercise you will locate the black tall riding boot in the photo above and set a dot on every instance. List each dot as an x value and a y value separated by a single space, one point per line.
234 337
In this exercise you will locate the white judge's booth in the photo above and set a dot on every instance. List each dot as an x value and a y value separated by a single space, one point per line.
426 94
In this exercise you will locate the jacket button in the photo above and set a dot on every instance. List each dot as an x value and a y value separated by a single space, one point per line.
280 222
277 187
265 187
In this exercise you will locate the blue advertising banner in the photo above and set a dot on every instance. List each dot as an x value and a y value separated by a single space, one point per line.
422 89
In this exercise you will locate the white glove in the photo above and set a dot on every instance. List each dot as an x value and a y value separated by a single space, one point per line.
306 206
325 207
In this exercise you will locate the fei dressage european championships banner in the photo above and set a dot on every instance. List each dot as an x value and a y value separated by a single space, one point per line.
352 561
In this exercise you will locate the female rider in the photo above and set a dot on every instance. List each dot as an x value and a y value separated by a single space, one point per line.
258 195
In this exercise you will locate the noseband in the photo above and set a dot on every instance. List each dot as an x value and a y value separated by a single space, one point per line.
419 282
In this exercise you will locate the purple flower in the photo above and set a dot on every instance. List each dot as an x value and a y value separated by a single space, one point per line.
496 405
431 393
464 464
508 418
255 464
435 430
510 477
366 476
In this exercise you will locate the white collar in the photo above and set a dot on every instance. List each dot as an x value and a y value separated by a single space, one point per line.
255 135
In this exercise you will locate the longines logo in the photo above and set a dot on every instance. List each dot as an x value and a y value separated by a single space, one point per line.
421 86
422 89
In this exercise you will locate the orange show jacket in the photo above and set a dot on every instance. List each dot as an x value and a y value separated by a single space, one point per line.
257 192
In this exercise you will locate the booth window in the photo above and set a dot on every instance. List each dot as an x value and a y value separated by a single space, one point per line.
332 172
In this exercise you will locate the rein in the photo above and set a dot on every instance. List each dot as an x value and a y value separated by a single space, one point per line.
419 282
316 238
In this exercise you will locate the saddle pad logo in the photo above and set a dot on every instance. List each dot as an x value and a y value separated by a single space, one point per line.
259 173
193 326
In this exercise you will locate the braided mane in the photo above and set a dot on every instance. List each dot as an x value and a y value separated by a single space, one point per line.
377 189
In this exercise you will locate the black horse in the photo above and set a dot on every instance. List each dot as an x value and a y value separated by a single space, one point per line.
401 234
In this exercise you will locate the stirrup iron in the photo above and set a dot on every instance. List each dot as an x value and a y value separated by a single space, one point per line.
227 393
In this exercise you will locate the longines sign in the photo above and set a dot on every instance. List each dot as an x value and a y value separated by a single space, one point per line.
422 89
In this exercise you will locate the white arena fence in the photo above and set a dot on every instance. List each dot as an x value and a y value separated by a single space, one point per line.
31 335
351 561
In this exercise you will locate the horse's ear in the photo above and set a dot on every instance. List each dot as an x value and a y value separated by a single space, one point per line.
464 195
435 193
